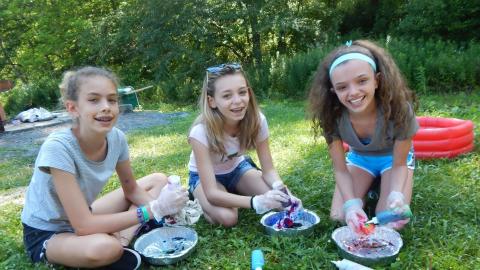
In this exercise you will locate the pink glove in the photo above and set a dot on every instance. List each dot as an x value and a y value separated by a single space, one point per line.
271 199
169 202
355 217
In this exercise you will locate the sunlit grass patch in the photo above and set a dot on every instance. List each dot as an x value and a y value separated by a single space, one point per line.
443 233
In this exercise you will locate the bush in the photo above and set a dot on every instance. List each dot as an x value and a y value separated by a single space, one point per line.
43 93
437 66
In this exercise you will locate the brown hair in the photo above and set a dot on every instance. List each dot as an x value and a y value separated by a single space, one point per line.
72 79
214 120
392 94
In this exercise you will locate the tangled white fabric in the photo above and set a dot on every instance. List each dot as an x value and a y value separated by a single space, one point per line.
189 215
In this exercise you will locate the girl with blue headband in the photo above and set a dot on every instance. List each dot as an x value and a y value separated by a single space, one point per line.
359 97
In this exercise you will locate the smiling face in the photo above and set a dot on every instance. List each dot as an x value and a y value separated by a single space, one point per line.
96 108
231 97
354 83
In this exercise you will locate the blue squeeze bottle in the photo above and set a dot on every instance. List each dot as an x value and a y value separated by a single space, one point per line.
387 216
257 259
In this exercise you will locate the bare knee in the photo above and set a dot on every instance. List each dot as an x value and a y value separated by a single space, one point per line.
227 218
104 251
152 181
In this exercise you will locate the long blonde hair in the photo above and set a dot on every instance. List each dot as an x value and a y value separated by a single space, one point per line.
214 120
392 94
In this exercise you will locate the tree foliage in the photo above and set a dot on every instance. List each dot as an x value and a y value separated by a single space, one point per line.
169 43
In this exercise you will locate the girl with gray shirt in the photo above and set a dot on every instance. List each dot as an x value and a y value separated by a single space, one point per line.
359 97
64 222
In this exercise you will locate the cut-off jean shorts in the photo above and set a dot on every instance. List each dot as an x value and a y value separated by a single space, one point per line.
376 165
35 241
228 180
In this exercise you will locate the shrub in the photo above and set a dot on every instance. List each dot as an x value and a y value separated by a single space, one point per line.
42 93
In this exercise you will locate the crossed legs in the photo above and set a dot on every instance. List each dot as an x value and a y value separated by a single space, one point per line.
251 183
100 249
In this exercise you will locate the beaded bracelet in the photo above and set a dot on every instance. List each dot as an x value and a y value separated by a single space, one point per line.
146 216
140 218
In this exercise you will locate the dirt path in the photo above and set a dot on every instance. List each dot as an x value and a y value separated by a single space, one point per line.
27 143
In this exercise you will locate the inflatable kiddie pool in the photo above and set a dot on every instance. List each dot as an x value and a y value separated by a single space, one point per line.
443 137
440 137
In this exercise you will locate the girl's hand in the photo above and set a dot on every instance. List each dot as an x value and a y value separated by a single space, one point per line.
355 217
169 202
271 199
395 200
294 200
398 225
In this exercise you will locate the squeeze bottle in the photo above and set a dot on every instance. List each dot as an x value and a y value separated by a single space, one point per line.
257 259
387 216
174 182
349 265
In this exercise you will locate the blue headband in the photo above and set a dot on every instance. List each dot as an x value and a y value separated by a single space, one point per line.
351 56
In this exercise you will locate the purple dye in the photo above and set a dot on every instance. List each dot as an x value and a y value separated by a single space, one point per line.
368 246
287 221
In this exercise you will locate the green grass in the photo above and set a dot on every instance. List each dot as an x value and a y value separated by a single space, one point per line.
444 233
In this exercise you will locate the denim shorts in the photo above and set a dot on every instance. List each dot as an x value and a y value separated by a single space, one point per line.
35 241
228 180
376 165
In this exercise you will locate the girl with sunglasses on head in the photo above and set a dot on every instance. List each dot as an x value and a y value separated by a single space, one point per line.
63 220
230 123
359 96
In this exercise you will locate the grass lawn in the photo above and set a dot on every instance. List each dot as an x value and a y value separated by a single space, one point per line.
444 234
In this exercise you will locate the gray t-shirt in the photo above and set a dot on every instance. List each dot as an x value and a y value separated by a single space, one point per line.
43 209
380 144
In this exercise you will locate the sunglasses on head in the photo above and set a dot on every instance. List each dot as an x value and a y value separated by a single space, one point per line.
218 68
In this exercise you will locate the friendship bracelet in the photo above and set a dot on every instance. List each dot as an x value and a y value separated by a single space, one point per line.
146 216
140 218
251 202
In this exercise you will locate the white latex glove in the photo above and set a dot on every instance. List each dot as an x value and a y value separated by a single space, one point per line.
355 217
271 199
398 225
294 200
395 200
279 185
169 202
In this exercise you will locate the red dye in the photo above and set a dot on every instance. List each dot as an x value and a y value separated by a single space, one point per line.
287 221
367 228
366 243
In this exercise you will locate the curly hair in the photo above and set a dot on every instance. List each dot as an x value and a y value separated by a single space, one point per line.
214 120
392 95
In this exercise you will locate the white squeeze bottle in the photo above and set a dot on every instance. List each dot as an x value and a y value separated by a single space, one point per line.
174 182
349 265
